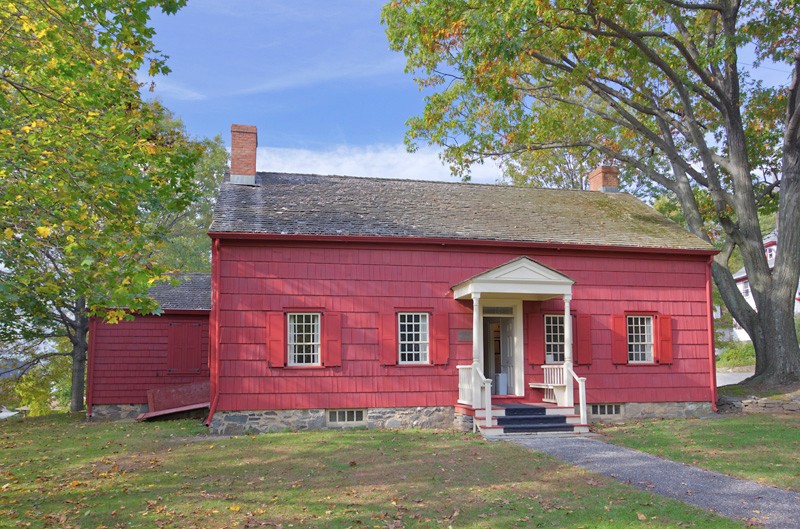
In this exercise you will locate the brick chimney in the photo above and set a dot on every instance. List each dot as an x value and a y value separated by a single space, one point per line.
244 141
605 178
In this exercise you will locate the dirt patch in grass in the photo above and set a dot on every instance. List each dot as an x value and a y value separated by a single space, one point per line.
60 472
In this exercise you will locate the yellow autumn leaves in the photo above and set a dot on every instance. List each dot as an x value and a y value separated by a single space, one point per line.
41 231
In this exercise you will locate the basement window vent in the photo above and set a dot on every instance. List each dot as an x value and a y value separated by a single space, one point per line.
346 417
606 409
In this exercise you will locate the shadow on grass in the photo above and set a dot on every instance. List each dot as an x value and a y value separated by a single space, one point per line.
64 473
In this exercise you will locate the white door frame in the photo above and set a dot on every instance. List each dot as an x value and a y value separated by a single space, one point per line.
518 384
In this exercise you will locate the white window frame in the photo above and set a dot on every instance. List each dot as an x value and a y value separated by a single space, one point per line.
746 288
344 418
640 333
413 342
554 341
303 345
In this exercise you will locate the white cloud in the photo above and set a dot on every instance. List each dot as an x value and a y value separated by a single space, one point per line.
167 89
322 73
382 161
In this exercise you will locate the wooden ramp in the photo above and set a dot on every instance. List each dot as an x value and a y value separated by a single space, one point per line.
176 399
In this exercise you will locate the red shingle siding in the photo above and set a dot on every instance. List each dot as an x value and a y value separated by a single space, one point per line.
365 283
133 356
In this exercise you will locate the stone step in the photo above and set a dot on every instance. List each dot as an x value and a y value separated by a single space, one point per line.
510 420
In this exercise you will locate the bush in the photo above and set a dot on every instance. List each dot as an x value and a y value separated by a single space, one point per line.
737 354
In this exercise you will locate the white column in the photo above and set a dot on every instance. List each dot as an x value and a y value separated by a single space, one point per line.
569 397
477 350
477 330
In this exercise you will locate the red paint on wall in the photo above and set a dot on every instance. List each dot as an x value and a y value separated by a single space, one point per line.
365 282
130 357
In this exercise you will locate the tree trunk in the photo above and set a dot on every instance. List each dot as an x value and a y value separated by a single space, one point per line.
775 342
80 346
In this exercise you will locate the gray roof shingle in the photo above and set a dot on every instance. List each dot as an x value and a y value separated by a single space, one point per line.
193 292
297 204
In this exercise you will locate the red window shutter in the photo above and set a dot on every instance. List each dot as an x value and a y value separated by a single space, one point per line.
184 354
583 339
332 341
535 338
664 352
388 339
619 339
276 339
440 338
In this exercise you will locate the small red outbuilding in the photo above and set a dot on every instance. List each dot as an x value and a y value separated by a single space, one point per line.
129 358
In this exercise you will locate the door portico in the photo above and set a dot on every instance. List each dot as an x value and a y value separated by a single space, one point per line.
505 287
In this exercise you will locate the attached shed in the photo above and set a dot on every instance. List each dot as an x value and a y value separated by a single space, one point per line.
150 352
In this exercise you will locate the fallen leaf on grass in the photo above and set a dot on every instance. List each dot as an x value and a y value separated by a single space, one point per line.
642 517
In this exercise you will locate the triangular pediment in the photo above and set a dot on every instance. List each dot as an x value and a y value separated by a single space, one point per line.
523 277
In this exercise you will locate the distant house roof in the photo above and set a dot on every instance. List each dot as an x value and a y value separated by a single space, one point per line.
192 293
297 204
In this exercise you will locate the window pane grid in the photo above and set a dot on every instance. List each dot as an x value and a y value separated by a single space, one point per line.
304 339
345 416
554 338
640 339
413 337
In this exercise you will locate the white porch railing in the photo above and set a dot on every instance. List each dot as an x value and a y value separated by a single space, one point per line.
581 393
475 390
553 381
557 387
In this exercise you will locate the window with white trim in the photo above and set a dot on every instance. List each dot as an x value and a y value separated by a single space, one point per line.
413 339
640 339
554 338
606 409
745 288
346 417
304 339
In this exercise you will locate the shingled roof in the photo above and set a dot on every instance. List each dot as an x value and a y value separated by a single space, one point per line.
300 204
192 293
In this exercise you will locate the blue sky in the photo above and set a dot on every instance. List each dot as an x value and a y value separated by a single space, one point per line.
316 78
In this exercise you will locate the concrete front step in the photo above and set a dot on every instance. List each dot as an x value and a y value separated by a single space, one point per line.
511 419
480 417
515 420
497 432
500 410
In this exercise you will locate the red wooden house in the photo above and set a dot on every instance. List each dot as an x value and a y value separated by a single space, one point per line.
356 301
151 352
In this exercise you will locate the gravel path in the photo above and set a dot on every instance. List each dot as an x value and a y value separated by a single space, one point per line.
731 497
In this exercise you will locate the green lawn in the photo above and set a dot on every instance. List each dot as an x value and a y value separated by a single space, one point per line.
62 472
763 448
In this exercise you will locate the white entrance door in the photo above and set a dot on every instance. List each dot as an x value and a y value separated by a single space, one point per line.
503 356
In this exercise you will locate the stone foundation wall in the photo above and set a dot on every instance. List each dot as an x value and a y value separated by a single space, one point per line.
463 423
117 412
759 405
655 410
258 421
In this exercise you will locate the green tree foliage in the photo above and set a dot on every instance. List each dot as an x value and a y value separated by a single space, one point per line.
656 86
88 171
187 247
567 168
